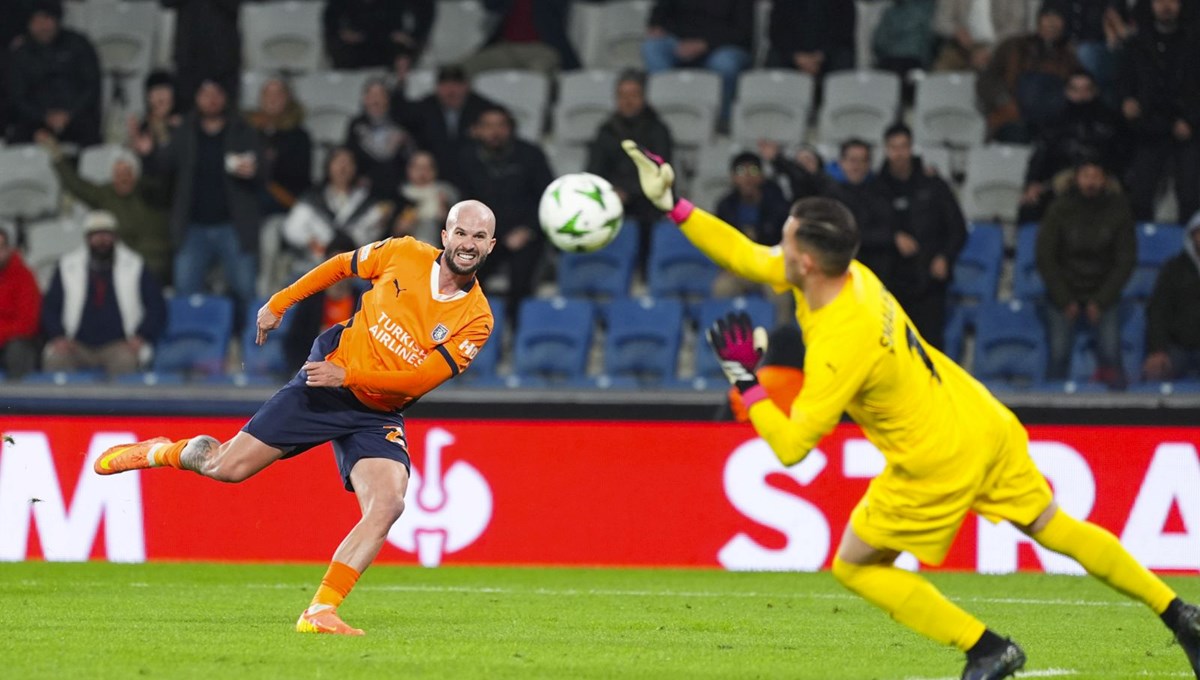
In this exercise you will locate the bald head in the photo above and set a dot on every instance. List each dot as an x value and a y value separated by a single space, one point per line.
469 236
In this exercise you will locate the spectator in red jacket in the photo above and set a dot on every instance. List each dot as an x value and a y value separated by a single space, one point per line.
20 307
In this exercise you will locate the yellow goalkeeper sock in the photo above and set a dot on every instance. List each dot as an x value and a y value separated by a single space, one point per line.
336 585
911 600
1103 556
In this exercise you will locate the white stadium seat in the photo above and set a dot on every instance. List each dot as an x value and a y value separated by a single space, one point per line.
565 158
282 36
95 163
46 241
330 100
711 181
772 104
124 35
456 34
620 29
525 93
585 100
995 178
945 112
28 186
859 104
868 14
421 83
687 101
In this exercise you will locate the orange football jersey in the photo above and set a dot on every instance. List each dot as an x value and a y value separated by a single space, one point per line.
406 338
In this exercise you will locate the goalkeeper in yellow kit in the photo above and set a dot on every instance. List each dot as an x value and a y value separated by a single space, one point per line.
950 446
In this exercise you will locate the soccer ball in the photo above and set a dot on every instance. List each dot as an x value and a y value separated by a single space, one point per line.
580 212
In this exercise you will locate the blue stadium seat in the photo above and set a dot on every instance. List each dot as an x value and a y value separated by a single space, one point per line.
483 366
958 318
605 382
150 378
1167 388
197 335
553 339
269 359
761 312
1010 343
643 339
1072 387
1027 282
241 380
603 274
977 270
1156 243
677 268
64 378
1133 343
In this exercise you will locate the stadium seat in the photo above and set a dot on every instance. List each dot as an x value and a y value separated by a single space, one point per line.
269 359
121 95
643 339
711 181
197 335
772 104
64 378
995 177
1156 243
977 269
958 318
868 15
282 36
859 104
458 31
945 113
1010 343
553 339
525 93
585 100
28 186
95 163
123 34
762 25
150 379
330 99
613 34
761 312
938 158
605 273
46 241
1133 343
676 268
483 366
1167 388
1027 282
420 84
252 82
565 158
686 99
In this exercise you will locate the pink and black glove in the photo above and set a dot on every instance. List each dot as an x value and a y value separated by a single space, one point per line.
739 347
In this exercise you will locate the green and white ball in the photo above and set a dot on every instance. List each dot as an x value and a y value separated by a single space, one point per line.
580 212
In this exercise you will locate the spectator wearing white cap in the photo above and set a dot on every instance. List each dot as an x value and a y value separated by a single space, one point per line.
20 304
104 309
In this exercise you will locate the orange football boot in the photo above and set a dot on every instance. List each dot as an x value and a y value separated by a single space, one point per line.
127 457
323 618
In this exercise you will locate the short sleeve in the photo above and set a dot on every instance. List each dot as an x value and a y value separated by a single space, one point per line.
462 347
370 260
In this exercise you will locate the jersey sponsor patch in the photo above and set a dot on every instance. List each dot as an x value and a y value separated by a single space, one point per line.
468 349
440 332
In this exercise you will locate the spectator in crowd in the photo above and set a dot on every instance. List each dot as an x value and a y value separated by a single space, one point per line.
161 116
286 145
930 231
757 208
14 17
632 119
904 39
381 146
812 36
208 46
509 175
1096 28
138 205
1160 91
970 29
1021 89
525 34
1173 314
364 33
713 34
442 121
104 309
20 307
215 164
1086 128
54 81
804 171
401 103
318 313
1142 14
430 198
1086 250
340 206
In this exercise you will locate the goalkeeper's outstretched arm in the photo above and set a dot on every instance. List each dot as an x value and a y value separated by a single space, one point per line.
720 241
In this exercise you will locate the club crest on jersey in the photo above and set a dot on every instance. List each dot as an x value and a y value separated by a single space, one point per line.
440 332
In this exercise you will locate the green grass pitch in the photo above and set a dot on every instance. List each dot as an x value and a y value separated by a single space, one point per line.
101 620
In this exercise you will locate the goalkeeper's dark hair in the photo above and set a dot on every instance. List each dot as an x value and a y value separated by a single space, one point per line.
827 230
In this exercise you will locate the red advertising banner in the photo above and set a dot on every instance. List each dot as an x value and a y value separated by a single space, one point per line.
564 493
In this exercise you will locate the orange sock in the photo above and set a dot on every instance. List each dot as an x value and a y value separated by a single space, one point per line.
336 585
169 454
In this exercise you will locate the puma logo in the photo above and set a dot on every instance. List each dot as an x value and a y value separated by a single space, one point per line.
396 283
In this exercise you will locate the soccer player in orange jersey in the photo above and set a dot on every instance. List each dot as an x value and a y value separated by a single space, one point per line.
421 323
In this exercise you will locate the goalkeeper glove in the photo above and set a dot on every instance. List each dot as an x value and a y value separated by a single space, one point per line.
739 347
656 177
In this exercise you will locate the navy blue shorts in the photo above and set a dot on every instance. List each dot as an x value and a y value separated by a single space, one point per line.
299 417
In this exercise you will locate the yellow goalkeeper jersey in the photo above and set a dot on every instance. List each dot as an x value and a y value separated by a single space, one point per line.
931 420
